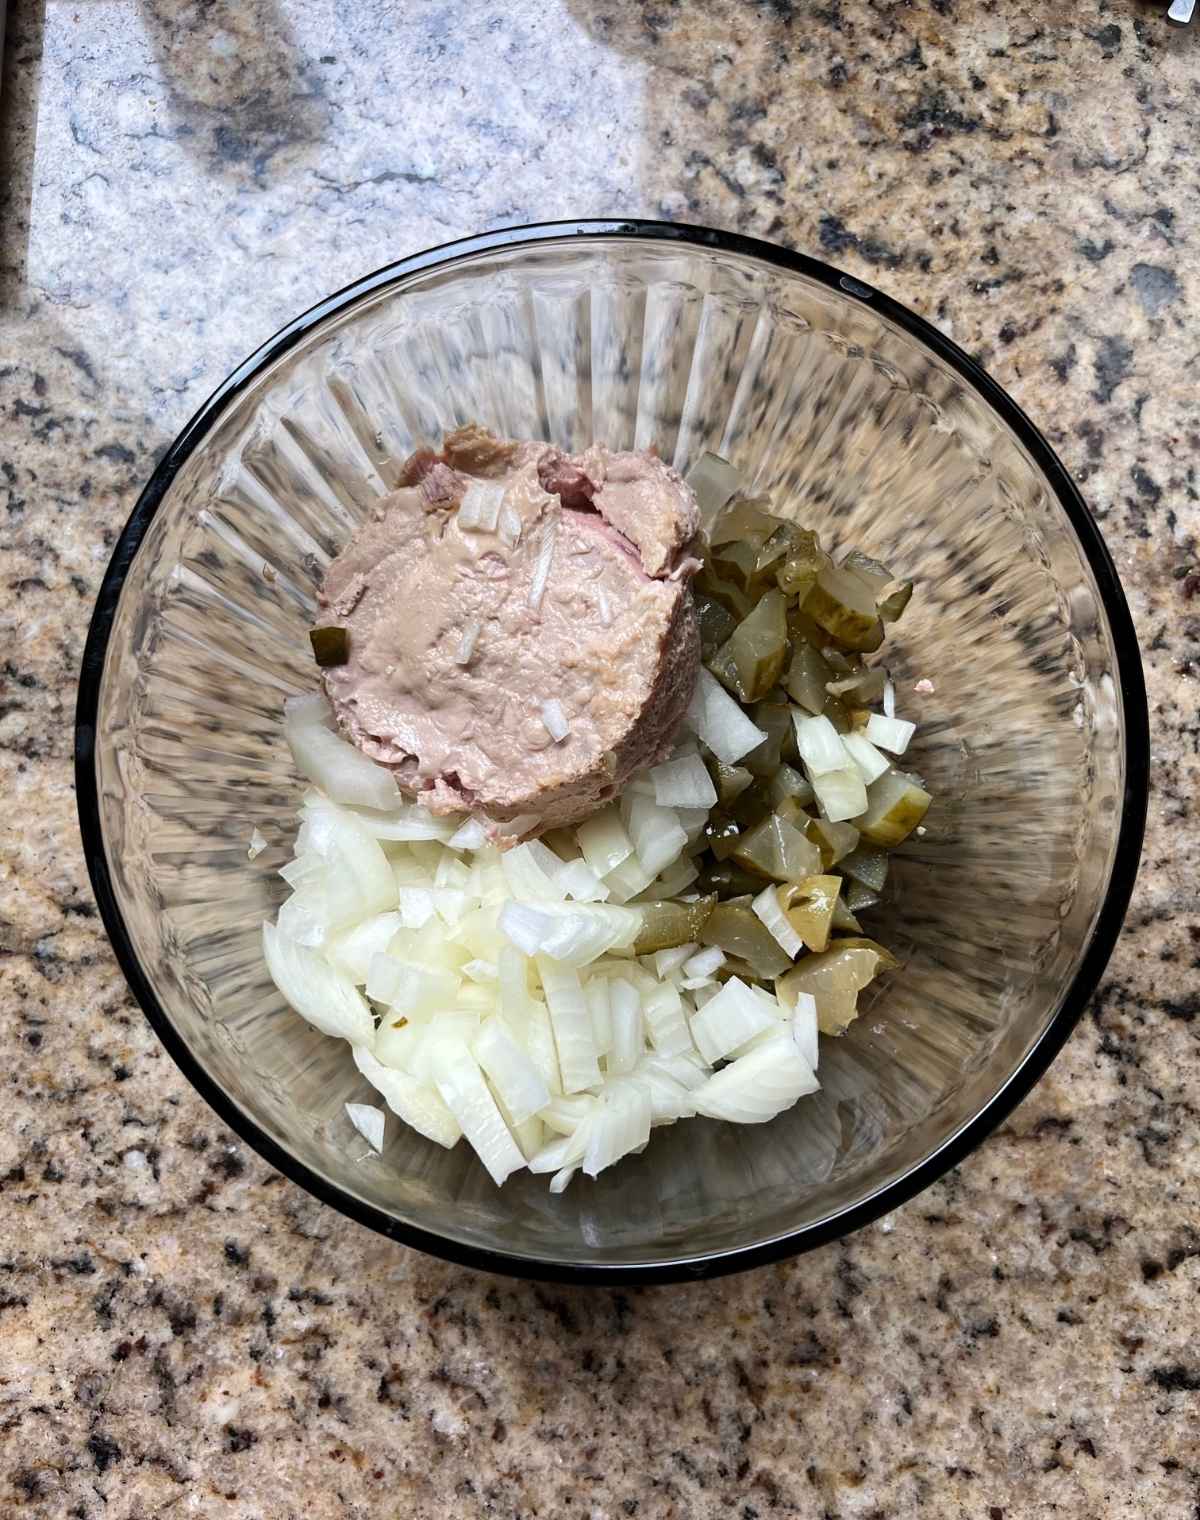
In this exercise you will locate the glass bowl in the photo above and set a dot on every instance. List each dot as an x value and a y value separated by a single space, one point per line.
860 419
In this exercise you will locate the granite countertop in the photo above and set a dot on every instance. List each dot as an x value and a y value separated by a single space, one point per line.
181 1330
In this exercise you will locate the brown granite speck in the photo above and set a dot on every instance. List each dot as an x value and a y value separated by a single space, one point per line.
184 1332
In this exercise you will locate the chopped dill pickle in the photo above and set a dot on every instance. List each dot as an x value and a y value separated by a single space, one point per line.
730 781
774 717
808 906
728 880
777 849
667 924
843 605
895 806
735 928
330 646
788 782
716 624
866 865
896 597
808 676
858 899
835 978
834 840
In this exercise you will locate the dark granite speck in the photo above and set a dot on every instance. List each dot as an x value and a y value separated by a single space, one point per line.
183 1332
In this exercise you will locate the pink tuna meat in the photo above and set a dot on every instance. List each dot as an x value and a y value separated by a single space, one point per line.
458 637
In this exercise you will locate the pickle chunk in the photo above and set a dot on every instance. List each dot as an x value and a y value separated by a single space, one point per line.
835 978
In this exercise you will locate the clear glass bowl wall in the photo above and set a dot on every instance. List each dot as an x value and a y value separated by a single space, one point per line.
854 428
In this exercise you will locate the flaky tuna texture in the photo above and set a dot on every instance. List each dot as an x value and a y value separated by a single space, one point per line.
459 637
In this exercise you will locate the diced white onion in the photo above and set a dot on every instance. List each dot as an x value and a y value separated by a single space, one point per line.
656 834
604 842
417 1104
819 745
351 952
554 720
462 1088
482 972
599 1001
841 794
804 1027
719 722
704 962
257 845
574 934
467 642
542 565
620 1124
666 1020
341 772
471 836
729 1020
416 906
509 526
891 734
368 1121
572 1026
604 607
869 763
683 783
479 509
410 988
667 962
330 1002
577 879
771 915
889 699
531 877
626 1026
758 1085
515 1080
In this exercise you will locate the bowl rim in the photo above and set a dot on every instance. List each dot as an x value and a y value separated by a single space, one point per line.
1017 1083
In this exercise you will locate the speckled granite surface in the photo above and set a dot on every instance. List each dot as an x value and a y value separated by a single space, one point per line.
181 1331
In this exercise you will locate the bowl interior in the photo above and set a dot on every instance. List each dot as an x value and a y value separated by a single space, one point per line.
856 428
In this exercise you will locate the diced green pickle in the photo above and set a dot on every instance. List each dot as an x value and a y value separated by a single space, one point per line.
730 596
330 646
896 597
844 920
843 605
895 806
758 647
834 840
808 906
860 687
867 865
716 624
788 782
735 928
774 717
835 978
746 518
858 899
727 880
778 850
730 780
807 677
722 835
667 924
803 563
873 571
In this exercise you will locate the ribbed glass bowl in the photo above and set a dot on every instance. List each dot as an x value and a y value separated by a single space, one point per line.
861 421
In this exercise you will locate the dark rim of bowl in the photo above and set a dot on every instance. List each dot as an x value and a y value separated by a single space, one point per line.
1011 1090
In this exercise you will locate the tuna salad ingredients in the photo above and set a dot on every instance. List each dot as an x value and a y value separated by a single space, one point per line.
678 951
512 634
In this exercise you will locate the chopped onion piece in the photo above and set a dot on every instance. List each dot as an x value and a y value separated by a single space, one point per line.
804 1027
626 1026
416 906
341 772
419 1105
573 934
479 509
542 564
683 783
598 994
409 988
666 1021
368 1121
509 526
351 952
657 836
869 763
889 699
466 644
577 879
719 722
562 1179
257 845
604 842
728 1020
758 1085
621 1124
408 821
819 745
465 1093
841 794
891 734
554 720
531 871
704 962
572 1024
515 1080
471 836
667 962
329 1002
768 911
482 972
